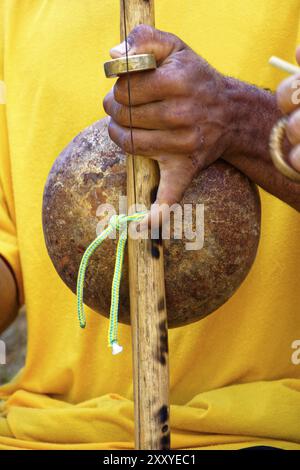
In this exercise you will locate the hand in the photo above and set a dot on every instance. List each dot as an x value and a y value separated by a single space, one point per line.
8 299
180 111
289 102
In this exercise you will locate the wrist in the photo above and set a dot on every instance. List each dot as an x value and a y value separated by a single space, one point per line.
251 114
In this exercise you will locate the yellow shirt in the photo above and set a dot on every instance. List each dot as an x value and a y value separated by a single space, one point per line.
233 381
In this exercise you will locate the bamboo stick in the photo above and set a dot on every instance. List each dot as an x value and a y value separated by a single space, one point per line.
147 290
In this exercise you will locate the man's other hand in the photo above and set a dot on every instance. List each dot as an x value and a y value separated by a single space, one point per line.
8 297
288 100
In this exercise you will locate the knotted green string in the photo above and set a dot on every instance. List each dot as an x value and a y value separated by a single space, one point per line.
118 222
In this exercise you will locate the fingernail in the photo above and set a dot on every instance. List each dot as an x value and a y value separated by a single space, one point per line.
120 49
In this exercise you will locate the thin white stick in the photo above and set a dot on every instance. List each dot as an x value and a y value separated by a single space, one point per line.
284 65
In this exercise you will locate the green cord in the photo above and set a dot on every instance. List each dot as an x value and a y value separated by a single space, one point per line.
118 222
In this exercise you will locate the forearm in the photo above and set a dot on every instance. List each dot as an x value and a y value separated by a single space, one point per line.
252 114
8 296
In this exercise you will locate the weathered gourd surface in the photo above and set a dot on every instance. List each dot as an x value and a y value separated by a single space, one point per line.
92 171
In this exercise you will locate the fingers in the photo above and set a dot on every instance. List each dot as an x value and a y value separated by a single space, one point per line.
154 85
293 134
168 113
288 99
147 40
295 158
293 128
154 143
288 94
175 177
158 115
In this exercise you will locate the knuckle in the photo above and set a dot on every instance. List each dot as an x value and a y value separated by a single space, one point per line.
141 33
106 103
294 157
284 94
174 118
181 115
171 82
173 39
117 111
293 127
118 136
180 84
120 92
193 141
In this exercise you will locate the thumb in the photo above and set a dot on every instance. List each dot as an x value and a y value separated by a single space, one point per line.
147 40
174 180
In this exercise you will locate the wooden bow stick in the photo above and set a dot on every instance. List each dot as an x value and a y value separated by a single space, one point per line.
146 272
